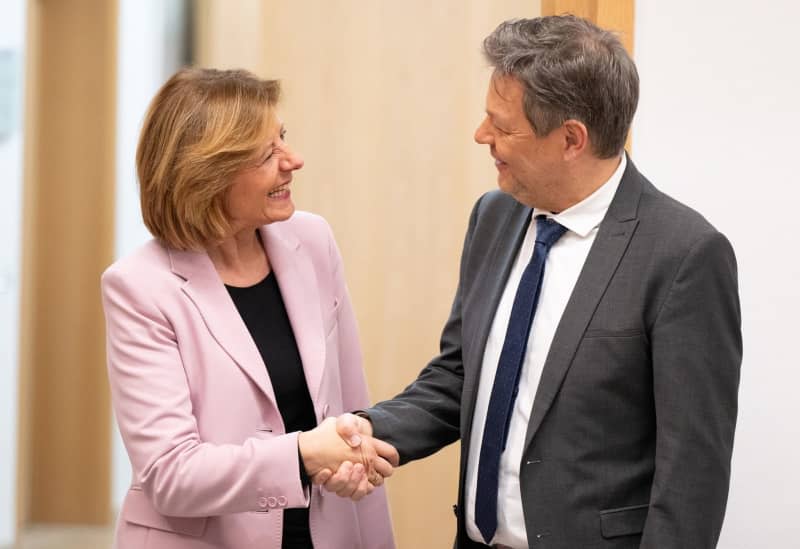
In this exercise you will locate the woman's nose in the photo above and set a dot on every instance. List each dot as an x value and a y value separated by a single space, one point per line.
292 161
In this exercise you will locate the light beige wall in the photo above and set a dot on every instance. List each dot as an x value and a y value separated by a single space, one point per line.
382 98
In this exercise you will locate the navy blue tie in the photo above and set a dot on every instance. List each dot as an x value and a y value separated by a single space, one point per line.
506 380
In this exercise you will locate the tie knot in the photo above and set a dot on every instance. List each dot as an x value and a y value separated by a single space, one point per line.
548 231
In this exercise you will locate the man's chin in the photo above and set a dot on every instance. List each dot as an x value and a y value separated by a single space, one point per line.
505 183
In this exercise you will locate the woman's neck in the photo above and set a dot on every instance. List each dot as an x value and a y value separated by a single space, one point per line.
240 259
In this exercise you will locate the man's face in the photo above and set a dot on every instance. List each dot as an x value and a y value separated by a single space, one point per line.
529 166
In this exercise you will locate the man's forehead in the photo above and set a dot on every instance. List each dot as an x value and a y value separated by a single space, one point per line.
505 89
504 95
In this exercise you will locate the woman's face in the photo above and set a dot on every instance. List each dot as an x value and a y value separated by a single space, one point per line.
261 194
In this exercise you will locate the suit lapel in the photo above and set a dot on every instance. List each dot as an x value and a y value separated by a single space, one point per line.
294 271
206 290
612 240
493 279
297 280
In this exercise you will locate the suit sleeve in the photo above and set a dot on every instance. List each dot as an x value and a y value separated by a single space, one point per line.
181 474
425 417
374 520
697 351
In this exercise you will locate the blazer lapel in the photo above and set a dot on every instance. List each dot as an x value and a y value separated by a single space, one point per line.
612 240
205 289
494 280
297 280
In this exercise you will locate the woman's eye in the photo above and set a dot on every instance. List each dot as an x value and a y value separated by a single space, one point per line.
283 135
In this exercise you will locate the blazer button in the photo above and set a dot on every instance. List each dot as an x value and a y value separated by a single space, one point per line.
262 502
272 502
282 501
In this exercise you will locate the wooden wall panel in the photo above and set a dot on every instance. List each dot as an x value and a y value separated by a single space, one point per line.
68 234
582 8
382 98
615 15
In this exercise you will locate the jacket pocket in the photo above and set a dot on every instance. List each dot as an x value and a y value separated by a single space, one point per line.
330 319
139 510
623 521
600 332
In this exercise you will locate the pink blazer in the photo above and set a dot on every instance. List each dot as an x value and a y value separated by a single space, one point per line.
212 464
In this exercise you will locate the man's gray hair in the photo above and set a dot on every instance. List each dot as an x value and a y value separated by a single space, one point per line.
570 69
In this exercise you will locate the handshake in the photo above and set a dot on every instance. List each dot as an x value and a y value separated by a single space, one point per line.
341 455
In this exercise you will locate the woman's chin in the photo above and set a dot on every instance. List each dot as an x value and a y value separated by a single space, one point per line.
280 214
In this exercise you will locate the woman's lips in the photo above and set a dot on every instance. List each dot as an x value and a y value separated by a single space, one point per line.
280 193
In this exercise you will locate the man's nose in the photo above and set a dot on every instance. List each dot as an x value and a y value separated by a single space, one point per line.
482 134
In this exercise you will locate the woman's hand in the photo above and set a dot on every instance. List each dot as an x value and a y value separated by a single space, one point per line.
383 457
342 455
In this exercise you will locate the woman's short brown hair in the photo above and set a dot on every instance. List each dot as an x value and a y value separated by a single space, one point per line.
202 127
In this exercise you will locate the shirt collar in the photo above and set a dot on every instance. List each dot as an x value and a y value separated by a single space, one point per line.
583 217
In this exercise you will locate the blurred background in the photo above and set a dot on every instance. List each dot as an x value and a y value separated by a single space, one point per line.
381 97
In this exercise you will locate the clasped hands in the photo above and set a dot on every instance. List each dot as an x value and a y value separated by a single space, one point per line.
342 455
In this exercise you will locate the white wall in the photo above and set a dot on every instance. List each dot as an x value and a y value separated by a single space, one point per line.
150 50
717 128
12 38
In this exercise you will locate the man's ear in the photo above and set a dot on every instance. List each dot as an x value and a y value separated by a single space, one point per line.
576 139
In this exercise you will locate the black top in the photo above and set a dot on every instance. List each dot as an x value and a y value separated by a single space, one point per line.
262 309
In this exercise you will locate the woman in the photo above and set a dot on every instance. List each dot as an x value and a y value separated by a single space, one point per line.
231 336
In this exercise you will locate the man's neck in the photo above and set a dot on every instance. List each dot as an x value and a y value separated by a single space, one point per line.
585 178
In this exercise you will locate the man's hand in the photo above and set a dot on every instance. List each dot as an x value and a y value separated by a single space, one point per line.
357 433
345 445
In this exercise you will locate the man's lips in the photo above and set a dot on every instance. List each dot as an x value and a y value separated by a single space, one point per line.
499 164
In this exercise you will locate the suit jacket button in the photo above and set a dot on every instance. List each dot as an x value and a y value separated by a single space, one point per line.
272 502
262 502
282 501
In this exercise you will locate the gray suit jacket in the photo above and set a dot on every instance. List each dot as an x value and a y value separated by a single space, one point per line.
630 437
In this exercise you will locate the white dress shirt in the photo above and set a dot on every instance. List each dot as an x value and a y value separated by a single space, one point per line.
564 263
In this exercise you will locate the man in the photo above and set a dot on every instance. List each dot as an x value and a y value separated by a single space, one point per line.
590 364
